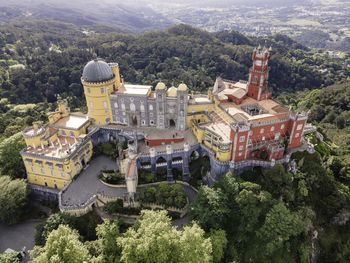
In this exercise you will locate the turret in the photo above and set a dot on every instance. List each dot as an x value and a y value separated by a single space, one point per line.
100 80
182 102
259 74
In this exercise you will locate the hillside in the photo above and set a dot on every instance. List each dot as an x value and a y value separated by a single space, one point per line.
44 58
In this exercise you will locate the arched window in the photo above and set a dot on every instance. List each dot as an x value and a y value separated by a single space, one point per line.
132 107
150 107
142 108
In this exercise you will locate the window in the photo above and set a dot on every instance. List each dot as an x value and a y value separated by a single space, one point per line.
240 154
241 148
263 138
242 139
282 126
297 135
142 108
150 107
272 128
143 122
124 120
89 90
151 122
105 105
132 107
123 106
299 127
262 130
102 90
116 105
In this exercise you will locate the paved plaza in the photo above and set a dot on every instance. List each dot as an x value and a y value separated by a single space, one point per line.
87 183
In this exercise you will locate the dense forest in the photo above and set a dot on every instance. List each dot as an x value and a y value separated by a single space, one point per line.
275 215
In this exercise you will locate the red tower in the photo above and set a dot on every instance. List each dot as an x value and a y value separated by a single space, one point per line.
259 74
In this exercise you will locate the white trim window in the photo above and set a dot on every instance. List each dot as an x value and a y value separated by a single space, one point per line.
242 139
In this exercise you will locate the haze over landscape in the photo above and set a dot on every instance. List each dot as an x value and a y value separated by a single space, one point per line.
315 23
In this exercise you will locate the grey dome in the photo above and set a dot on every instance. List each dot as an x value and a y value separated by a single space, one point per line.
97 71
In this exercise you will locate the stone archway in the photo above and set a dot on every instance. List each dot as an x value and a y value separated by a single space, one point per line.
134 120
172 123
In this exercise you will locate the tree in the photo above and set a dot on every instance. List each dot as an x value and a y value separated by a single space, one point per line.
13 199
62 246
280 225
153 239
107 233
9 258
194 247
219 243
10 159
210 208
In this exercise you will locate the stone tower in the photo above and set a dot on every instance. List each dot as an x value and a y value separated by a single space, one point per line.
99 81
160 91
259 74
182 101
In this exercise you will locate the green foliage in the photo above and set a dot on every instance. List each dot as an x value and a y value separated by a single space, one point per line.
169 195
145 177
153 239
10 159
219 243
85 225
117 207
13 199
109 149
107 233
210 208
112 177
9 258
279 226
62 246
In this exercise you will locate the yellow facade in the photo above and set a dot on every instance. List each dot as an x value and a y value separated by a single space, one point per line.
56 173
57 151
97 96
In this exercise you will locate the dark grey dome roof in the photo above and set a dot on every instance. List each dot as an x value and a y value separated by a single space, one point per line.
97 71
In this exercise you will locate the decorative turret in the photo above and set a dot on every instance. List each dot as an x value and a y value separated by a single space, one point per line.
259 74
100 80
182 101
160 91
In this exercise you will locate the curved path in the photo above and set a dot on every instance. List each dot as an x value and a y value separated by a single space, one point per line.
88 184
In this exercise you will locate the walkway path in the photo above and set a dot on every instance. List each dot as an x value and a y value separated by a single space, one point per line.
87 184
17 236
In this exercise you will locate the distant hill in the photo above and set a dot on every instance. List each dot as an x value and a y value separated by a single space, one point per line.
42 58
123 16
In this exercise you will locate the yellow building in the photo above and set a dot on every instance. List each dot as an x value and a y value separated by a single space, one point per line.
57 151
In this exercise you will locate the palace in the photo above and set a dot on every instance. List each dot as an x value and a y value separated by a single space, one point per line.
236 125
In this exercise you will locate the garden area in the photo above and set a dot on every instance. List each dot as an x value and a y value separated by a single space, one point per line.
116 207
168 195
112 177
146 177
110 149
